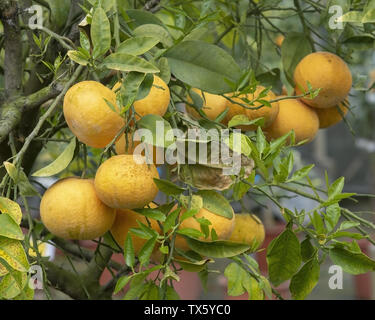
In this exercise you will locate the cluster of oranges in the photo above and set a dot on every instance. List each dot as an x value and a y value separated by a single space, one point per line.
305 116
85 209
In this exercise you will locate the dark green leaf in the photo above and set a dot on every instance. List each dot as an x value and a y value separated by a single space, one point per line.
217 249
284 257
100 33
305 280
351 262
126 62
203 65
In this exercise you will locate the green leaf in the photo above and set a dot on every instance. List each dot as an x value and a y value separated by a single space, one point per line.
170 222
165 70
140 17
11 208
216 203
243 120
78 57
346 234
151 292
336 188
61 162
189 213
217 249
129 89
351 262
305 280
146 251
121 283
12 284
190 232
195 266
20 179
168 187
301 173
158 131
307 250
12 252
129 251
318 223
333 213
100 33
126 62
295 47
171 294
236 276
137 45
152 213
203 65
9 228
284 257
369 12
136 286
84 41
348 225
59 12
155 31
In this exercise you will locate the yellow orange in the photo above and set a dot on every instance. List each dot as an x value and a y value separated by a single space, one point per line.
328 117
294 115
126 182
71 209
326 71
249 229
89 116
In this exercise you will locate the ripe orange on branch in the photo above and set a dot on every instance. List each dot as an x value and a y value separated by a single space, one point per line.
71 209
89 116
326 71
122 182
249 229
294 115
328 117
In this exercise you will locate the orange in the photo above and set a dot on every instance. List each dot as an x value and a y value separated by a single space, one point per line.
126 182
71 209
294 115
88 115
328 117
248 229
326 71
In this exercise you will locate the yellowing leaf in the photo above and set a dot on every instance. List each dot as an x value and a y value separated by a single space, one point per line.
11 208
61 162
21 180
12 284
13 253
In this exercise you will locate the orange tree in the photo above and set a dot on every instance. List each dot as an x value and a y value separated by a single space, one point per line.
79 77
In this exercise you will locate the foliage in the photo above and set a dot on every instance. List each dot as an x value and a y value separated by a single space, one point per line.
216 46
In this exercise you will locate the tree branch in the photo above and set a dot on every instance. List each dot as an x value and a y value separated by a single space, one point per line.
10 113
13 66
47 114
